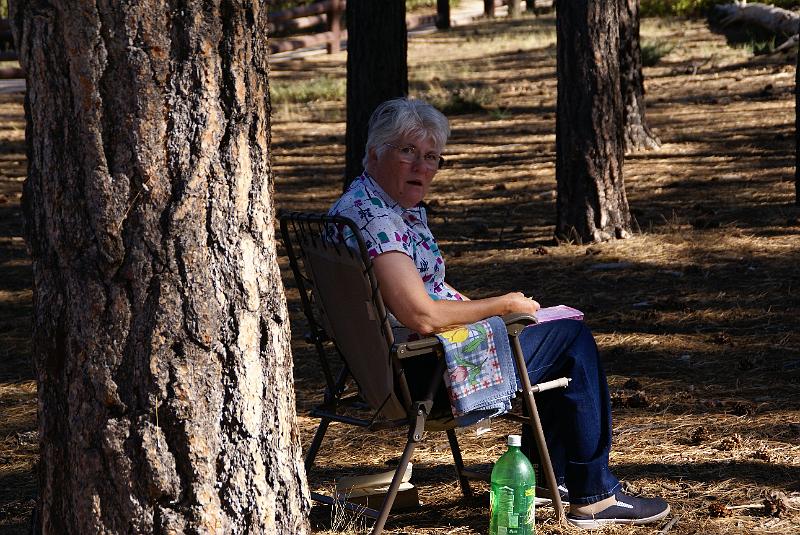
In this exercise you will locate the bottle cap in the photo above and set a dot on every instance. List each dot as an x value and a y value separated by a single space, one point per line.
514 440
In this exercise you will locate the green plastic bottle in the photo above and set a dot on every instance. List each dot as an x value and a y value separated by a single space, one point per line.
511 499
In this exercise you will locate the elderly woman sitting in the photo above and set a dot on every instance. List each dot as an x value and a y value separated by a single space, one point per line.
403 153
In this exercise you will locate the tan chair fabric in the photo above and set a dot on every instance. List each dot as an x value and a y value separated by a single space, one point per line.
352 323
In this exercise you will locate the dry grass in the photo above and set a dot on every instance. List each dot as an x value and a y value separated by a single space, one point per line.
696 315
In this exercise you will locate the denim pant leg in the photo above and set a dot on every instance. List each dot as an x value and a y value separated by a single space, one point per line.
576 420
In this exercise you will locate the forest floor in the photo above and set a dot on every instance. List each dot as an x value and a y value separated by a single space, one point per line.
696 315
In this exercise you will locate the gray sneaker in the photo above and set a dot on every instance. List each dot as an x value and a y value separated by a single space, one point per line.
627 510
542 495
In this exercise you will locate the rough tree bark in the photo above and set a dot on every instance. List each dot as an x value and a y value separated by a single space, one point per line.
797 130
638 134
161 342
376 69
591 202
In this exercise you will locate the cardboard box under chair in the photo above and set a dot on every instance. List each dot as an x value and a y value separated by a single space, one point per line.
370 490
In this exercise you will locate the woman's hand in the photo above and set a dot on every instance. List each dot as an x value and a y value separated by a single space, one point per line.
517 303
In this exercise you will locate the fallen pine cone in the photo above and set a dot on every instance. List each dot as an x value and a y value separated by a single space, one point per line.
776 503
718 510
632 384
730 443
743 409
762 454
721 338
700 435
633 400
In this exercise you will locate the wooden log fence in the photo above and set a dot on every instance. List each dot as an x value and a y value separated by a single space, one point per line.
328 12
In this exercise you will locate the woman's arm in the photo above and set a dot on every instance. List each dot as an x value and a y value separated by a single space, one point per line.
404 293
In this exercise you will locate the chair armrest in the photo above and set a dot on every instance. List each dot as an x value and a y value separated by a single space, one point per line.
516 322
424 346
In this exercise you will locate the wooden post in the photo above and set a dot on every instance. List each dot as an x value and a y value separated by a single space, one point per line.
488 8
335 26
443 14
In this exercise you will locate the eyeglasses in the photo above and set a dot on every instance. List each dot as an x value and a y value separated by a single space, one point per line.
408 154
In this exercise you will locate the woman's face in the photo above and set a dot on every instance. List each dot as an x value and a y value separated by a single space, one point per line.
405 169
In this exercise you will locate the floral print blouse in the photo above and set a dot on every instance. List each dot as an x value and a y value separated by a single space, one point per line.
386 226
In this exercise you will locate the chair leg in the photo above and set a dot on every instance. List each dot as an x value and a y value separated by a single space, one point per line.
544 454
416 429
463 482
388 501
538 433
316 442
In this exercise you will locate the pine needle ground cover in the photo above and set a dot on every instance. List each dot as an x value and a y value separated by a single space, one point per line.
696 316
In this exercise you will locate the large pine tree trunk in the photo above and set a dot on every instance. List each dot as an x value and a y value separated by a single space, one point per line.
161 341
376 68
638 134
591 201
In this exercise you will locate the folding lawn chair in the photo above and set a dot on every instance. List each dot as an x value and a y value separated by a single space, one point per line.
344 308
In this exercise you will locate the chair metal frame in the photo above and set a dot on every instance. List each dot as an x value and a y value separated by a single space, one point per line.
302 233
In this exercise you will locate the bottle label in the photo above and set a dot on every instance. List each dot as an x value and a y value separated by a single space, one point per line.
511 510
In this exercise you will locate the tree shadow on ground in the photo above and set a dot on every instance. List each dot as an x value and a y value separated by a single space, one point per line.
783 476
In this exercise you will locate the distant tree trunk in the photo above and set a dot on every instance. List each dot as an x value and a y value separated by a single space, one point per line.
514 9
376 68
797 130
488 8
638 134
335 26
161 337
443 14
591 201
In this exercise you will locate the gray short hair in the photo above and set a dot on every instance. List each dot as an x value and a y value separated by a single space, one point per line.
402 117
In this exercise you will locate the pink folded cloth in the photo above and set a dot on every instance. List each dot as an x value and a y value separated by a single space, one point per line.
559 312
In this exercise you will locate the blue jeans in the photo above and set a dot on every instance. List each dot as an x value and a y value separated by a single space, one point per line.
577 419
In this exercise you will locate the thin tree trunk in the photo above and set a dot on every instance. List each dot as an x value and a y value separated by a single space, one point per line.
161 338
638 134
443 14
376 68
591 202
488 8
797 130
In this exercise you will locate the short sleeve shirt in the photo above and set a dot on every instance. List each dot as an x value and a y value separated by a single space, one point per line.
386 226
